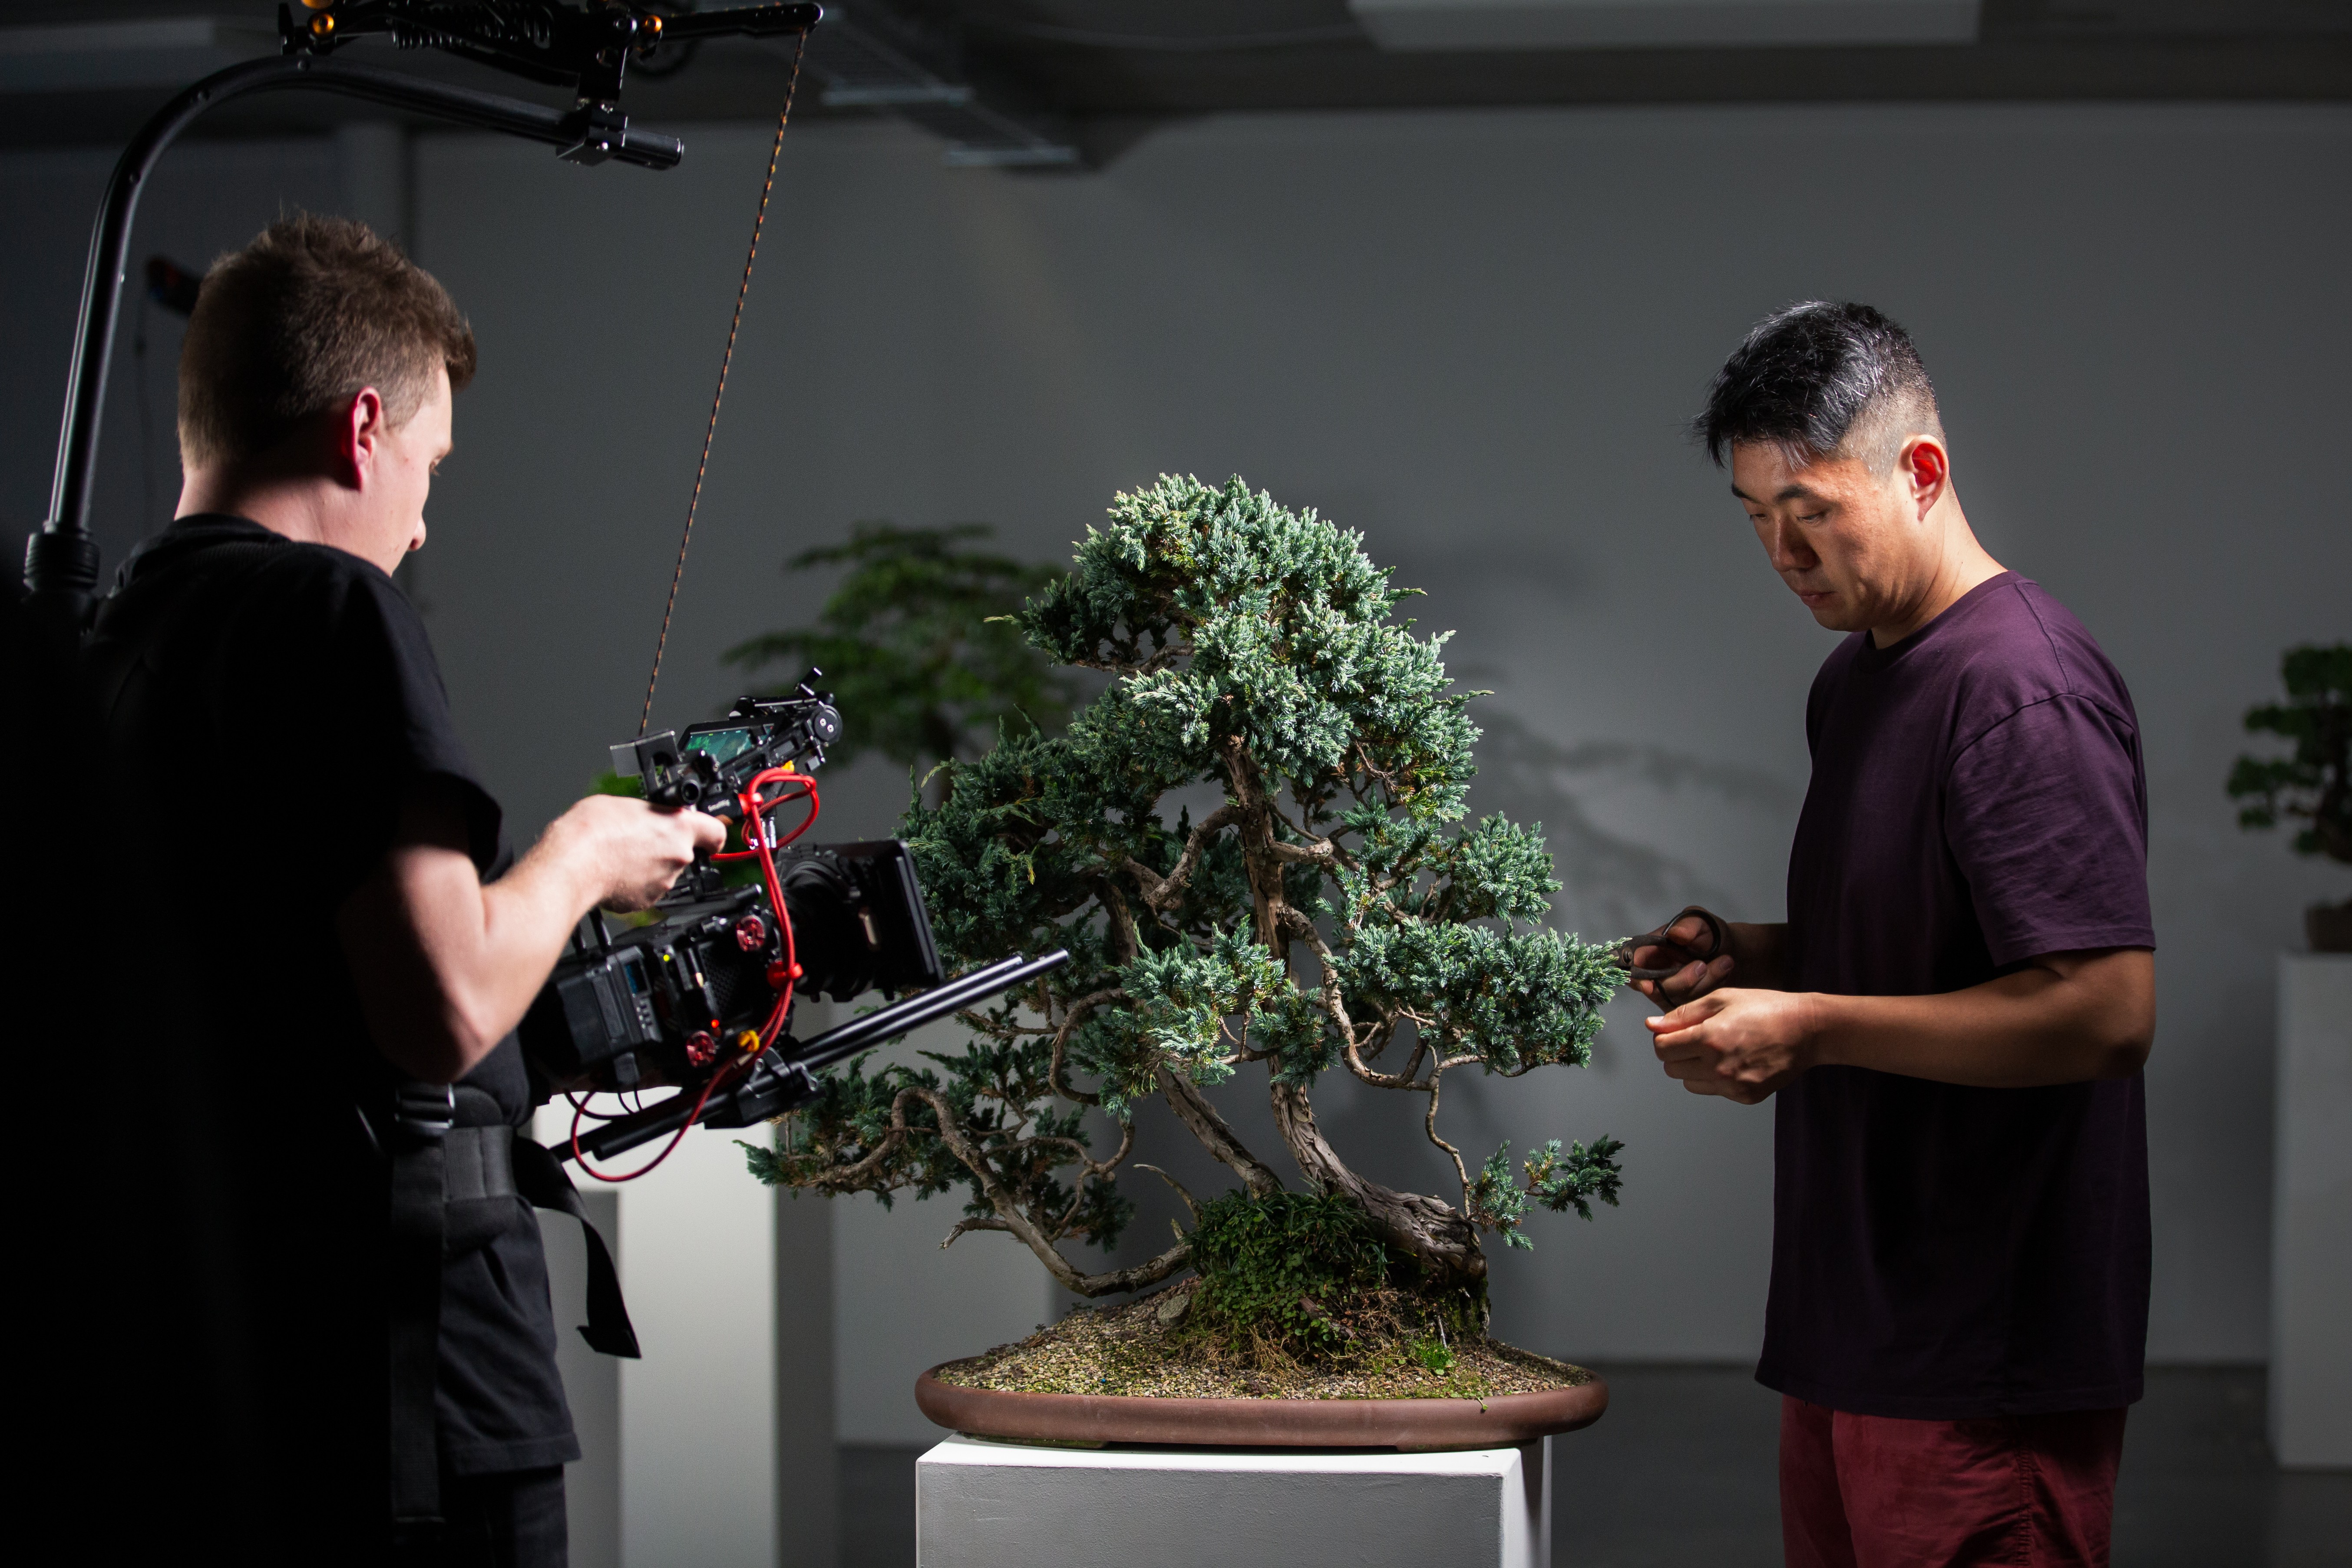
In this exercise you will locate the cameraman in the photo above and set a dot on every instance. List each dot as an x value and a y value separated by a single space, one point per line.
342 936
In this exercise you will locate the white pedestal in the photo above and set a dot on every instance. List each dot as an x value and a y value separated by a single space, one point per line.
717 1447
981 1504
2311 1216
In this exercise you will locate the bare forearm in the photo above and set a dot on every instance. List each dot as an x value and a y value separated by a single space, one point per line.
2066 1017
451 965
445 965
2022 1031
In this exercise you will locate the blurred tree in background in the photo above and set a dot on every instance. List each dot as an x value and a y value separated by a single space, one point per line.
918 644
2312 783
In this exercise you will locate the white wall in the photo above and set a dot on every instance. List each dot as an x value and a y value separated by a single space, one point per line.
1475 337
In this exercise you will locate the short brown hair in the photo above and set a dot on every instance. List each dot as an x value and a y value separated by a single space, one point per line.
301 319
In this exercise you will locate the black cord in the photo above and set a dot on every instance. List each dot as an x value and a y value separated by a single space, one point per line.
725 360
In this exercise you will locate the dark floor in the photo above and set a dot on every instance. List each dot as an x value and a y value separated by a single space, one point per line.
1680 1474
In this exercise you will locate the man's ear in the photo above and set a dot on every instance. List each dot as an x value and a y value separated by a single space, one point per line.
1925 469
359 440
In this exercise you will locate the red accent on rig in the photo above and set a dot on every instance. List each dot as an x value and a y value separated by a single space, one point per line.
750 932
700 1049
782 975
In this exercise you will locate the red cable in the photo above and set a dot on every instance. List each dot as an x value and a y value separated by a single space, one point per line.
755 833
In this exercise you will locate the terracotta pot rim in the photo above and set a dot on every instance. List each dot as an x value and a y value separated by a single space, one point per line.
1246 1423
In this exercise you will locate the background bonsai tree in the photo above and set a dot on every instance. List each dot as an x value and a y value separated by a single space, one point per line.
2315 782
917 641
1329 911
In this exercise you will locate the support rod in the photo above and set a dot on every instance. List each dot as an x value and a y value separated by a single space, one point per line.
781 1080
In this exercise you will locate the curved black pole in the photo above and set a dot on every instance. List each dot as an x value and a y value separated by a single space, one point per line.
61 562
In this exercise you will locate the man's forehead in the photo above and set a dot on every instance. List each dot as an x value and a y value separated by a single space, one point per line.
1764 472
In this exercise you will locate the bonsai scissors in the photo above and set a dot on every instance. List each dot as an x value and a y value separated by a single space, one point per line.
1721 941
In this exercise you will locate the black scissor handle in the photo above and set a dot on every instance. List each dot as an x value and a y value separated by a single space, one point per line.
1623 952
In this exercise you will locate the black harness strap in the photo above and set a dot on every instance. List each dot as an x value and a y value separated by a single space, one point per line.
424 1116
544 1184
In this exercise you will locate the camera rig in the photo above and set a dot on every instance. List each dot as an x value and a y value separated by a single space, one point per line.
701 995
588 48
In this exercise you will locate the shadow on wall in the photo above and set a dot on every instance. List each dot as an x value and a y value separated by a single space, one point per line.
1610 884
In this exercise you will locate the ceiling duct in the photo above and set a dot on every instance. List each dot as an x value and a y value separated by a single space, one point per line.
1430 25
868 56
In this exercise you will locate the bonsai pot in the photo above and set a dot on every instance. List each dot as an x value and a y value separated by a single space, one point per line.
1245 1422
2330 927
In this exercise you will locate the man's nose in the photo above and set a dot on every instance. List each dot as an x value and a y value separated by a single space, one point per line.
1787 549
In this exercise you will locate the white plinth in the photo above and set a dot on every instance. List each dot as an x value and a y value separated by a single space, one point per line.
981 1504
2311 1216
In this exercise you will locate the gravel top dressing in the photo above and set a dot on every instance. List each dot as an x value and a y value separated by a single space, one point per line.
1142 1348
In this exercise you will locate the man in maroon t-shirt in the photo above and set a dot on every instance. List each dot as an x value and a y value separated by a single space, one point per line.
1951 1023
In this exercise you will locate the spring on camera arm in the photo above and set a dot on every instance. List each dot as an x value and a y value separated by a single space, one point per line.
480 23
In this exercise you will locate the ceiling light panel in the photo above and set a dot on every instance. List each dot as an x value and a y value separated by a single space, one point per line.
1408 25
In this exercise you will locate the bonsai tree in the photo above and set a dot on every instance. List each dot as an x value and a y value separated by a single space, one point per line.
2315 782
918 643
1334 913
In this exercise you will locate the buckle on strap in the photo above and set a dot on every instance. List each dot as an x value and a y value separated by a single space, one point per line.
426 1112
479 1162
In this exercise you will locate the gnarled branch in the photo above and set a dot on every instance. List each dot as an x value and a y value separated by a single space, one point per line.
1200 1118
1010 1218
1160 893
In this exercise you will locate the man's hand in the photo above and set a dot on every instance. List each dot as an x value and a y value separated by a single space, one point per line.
633 852
1750 951
1705 970
1741 1045
445 966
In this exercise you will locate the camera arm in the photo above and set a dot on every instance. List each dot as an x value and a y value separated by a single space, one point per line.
782 1078
61 561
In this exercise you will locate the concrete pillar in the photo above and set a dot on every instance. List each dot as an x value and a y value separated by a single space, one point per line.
717 1447
2311 1209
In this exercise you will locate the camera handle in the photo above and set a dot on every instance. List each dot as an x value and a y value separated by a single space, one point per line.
781 1079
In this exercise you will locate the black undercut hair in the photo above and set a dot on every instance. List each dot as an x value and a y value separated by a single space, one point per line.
1818 380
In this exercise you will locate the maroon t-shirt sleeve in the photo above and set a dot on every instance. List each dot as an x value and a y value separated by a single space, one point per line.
2044 815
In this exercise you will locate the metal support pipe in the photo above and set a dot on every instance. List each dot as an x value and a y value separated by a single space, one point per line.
61 562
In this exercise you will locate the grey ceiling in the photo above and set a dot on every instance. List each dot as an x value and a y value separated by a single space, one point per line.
1090 68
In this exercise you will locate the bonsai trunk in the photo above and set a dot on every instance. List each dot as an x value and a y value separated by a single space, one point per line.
1436 1233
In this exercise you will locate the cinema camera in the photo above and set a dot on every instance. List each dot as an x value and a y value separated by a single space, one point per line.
701 996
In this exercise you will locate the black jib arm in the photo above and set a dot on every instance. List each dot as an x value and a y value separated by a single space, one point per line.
783 1077
61 561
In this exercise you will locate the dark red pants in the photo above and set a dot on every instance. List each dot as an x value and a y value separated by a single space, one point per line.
2016 1491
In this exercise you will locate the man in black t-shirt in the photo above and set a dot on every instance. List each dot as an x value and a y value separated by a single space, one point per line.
293 800
1952 1020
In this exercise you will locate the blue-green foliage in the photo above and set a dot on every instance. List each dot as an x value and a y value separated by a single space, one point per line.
1559 1180
1257 650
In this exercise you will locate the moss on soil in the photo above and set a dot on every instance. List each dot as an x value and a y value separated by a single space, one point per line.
1142 1348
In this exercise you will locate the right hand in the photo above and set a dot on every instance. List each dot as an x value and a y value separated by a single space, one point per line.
1706 970
634 851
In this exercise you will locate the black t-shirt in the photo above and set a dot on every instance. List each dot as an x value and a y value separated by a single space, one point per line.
262 708
1942 1252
